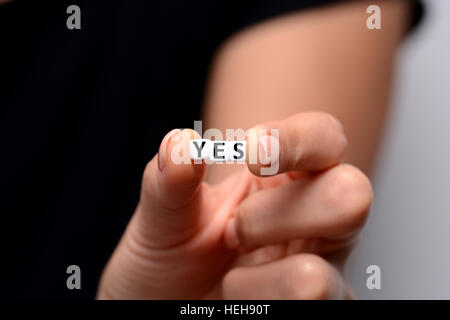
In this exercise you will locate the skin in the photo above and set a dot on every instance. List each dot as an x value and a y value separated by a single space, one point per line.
235 235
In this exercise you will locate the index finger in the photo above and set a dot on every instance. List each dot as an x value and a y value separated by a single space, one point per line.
310 141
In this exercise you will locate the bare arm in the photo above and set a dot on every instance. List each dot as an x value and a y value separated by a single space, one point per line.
321 60
284 236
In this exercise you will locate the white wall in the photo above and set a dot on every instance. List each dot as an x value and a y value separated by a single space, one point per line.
408 233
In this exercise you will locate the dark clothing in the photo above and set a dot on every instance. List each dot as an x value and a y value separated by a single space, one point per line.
83 111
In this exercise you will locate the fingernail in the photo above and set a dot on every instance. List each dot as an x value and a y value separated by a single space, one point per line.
162 153
231 237
264 144
262 149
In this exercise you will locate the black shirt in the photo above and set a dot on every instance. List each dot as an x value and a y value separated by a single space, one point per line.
83 111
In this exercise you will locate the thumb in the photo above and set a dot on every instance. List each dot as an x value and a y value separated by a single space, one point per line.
171 195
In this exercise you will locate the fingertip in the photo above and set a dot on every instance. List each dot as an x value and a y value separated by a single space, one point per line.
263 150
170 206
180 176
162 153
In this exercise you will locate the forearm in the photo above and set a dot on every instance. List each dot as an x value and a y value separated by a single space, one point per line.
321 60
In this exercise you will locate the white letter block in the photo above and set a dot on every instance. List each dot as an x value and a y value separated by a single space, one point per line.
237 151
219 152
199 149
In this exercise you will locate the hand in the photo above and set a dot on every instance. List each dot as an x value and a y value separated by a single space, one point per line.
279 237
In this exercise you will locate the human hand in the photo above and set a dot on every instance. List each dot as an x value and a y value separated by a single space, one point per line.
279 237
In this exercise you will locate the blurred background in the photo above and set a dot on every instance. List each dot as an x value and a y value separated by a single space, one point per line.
408 232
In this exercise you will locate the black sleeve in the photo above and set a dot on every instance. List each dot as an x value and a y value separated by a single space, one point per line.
246 13
418 14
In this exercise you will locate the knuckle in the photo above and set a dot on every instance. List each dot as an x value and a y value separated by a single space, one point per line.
229 282
350 191
244 227
308 277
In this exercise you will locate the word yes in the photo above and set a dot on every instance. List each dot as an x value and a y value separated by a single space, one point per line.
218 151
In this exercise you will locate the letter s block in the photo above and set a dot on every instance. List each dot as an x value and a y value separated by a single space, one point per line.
236 151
